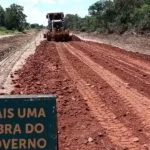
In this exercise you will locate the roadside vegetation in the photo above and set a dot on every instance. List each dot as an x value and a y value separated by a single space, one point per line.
113 16
13 20
4 31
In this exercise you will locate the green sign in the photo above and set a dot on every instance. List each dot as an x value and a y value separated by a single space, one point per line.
28 123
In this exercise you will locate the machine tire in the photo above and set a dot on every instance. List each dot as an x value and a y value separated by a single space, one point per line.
44 36
48 38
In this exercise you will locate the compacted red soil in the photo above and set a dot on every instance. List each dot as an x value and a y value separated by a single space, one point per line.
10 45
103 93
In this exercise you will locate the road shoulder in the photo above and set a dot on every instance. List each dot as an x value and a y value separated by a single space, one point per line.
134 43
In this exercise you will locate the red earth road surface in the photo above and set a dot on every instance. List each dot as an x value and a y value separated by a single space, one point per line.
103 93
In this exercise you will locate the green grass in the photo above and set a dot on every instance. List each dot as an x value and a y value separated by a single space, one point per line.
4 31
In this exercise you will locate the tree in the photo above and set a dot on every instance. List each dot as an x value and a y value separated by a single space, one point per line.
97 10
144 13
36 26
126 8
73 21
113 16
121 14
104 12
15 18
27 25
2 12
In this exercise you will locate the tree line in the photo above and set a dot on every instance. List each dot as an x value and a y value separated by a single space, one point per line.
113 16
13 18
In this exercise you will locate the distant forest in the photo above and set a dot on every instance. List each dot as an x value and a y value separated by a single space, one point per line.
105 16
13 18
113 16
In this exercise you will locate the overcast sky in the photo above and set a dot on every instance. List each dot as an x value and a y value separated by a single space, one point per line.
36 10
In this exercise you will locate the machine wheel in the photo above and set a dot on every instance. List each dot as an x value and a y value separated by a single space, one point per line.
44 36
48 38
70 38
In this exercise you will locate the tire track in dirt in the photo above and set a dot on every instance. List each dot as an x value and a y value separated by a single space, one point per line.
44 73
130 95
122 56
112 56
123 111
10 45
7 66
133 76
116 131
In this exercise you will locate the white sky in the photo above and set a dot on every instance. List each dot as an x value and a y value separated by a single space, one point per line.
36 10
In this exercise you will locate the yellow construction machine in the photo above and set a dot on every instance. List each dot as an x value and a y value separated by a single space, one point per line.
57 30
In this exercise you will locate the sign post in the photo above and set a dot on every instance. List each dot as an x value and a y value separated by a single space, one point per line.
28 123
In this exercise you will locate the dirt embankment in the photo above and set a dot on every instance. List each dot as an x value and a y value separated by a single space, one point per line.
127 41
103 94
4 36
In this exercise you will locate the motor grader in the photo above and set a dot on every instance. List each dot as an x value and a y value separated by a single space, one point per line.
57 31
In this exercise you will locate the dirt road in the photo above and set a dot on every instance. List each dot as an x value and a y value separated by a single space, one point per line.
4 36
13 52
103 93
11 44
